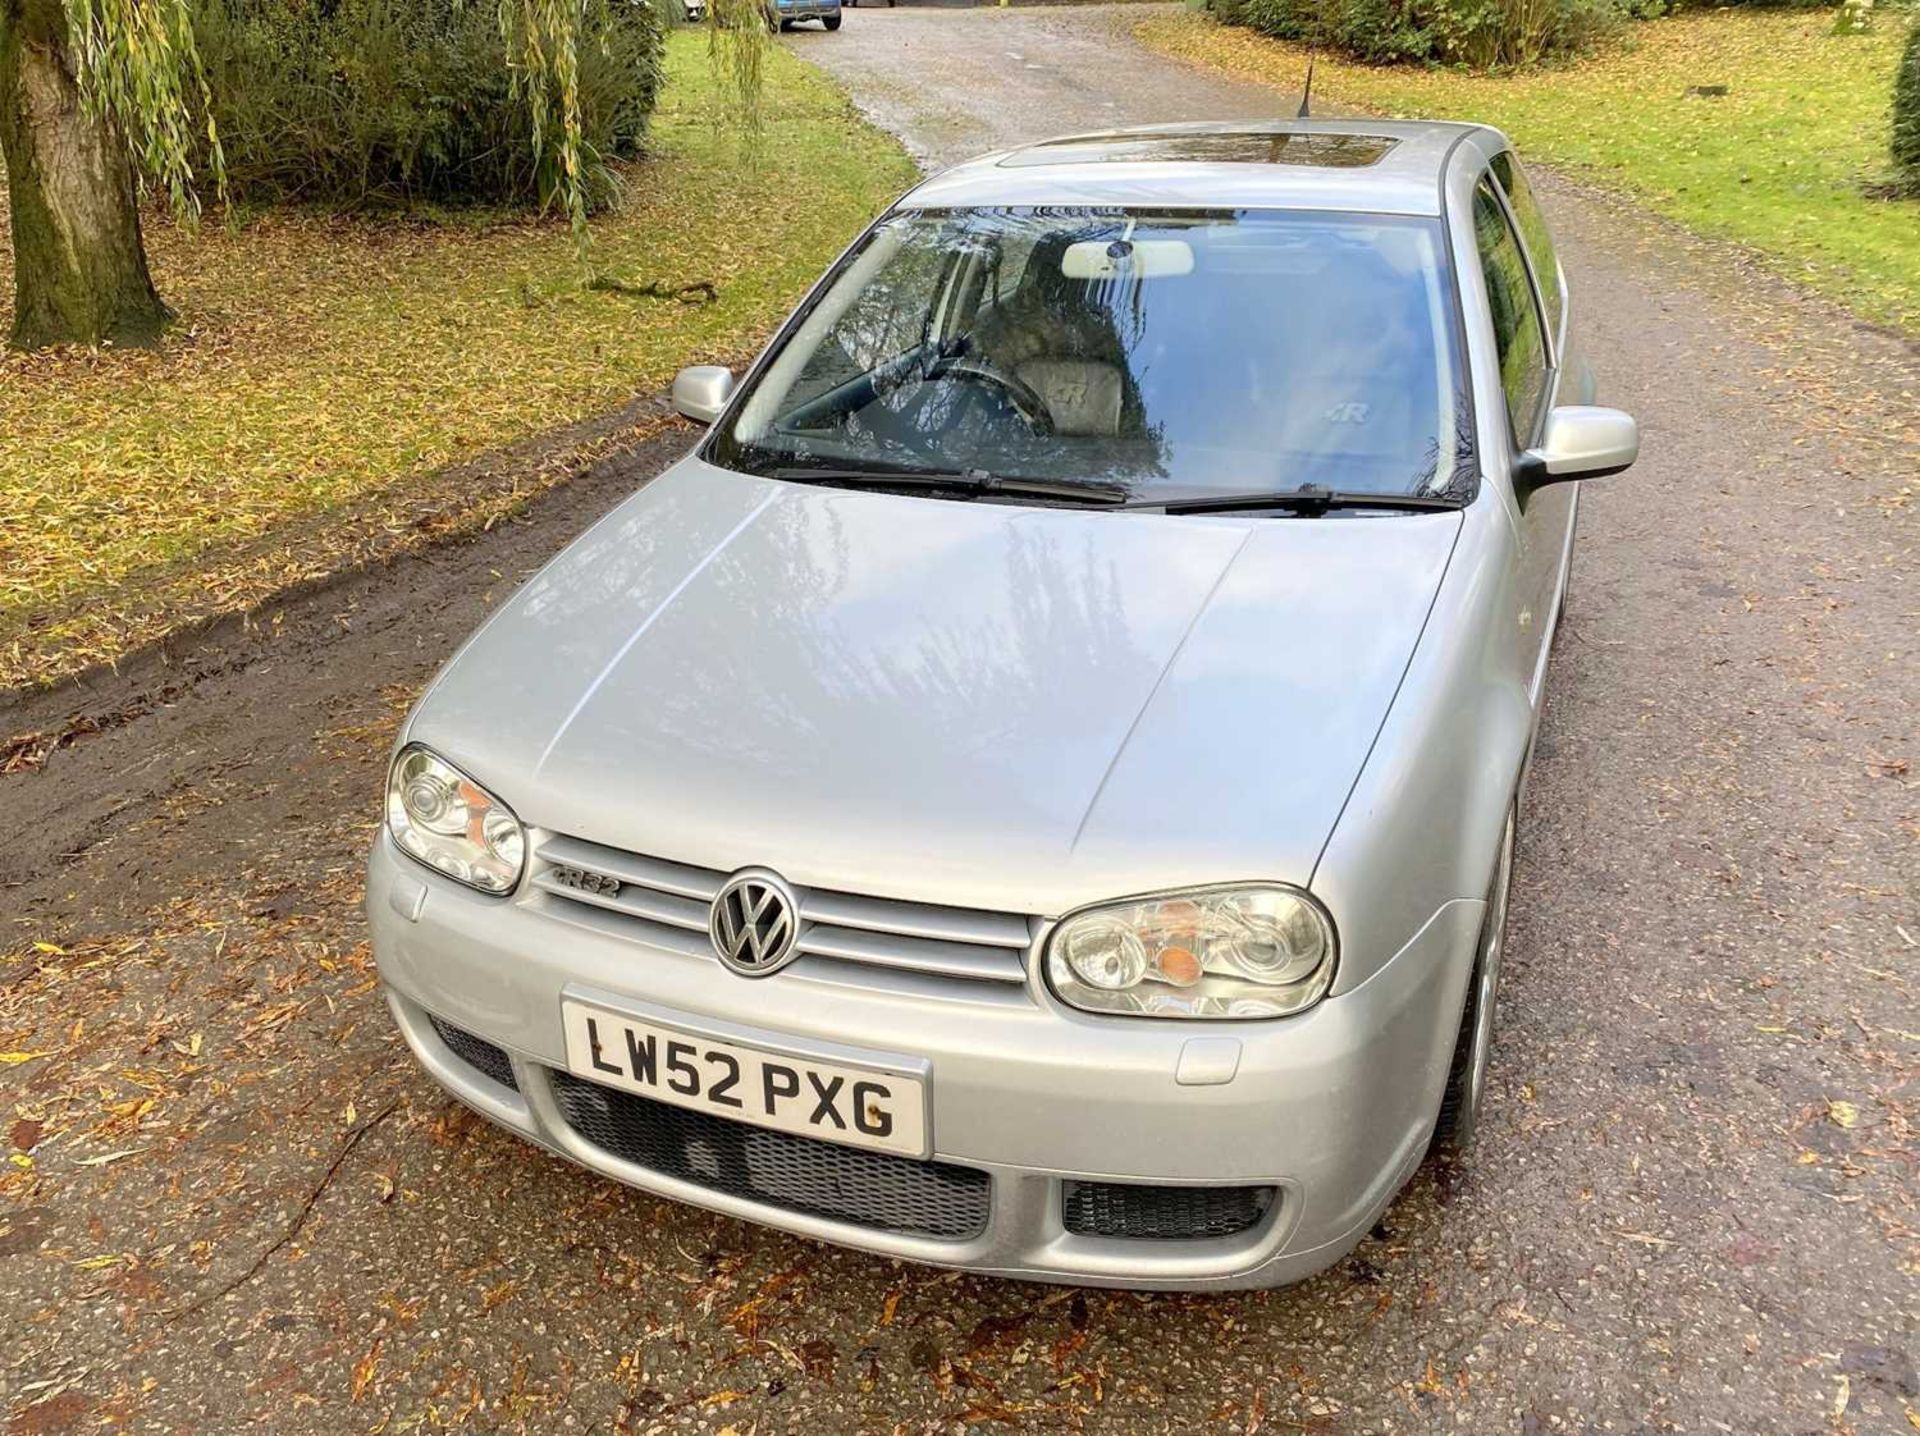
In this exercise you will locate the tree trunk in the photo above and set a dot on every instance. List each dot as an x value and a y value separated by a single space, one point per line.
79 266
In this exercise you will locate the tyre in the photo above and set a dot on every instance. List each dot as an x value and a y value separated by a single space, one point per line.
832 22
786 25
1467 1077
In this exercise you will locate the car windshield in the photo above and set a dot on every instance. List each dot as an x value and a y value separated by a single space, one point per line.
1175 353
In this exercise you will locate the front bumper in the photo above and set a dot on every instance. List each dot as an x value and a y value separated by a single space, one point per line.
1332 1108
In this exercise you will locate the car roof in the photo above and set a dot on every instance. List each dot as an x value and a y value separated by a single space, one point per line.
1375 166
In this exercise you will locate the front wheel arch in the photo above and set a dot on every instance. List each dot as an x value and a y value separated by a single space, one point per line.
1463 1100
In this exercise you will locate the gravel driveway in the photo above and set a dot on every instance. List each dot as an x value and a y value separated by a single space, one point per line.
227 1202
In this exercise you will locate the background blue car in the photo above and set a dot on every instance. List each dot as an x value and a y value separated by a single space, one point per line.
786 12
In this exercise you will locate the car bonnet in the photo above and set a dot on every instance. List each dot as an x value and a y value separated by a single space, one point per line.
978 704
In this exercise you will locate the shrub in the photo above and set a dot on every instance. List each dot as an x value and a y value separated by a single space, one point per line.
1653 9
369 102
1378 31
1482 33
1906 109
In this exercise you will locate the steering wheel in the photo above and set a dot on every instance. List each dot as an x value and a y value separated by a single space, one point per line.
1024 398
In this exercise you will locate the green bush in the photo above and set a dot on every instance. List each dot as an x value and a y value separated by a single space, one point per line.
393 102
1906 109
1481 33
1654 9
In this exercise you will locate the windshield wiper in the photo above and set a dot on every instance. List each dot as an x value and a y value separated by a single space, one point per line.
971 482
1310 501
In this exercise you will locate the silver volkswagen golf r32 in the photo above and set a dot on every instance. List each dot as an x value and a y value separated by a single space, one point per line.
1033 790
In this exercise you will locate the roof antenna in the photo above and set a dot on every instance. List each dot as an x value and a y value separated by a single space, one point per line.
1306 91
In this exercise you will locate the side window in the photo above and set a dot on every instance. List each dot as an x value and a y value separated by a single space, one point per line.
1533 230
1516 318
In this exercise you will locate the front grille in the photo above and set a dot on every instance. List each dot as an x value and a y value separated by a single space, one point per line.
1115 1209
843 936
477 1053
798 1174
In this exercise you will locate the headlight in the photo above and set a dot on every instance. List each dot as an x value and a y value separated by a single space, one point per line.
1230 952
439 815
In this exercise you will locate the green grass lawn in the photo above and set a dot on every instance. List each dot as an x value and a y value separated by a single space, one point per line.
327 365
1780 163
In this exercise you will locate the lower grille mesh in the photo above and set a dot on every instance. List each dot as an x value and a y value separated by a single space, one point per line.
477 1053
1115 1209
799 1174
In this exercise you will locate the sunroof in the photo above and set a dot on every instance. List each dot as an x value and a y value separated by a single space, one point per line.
1244 147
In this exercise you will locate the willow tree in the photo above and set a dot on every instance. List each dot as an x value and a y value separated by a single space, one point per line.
80 94
1906 112
100 99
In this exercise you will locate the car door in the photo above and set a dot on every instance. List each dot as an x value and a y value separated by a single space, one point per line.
1528 324
1553 513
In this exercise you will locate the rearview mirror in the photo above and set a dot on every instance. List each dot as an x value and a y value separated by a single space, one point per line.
1581 442
700 391
1099 259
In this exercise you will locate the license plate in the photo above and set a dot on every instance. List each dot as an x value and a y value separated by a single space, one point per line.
859 1106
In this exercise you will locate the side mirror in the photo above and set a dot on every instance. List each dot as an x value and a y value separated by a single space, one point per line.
1581 442
700 391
